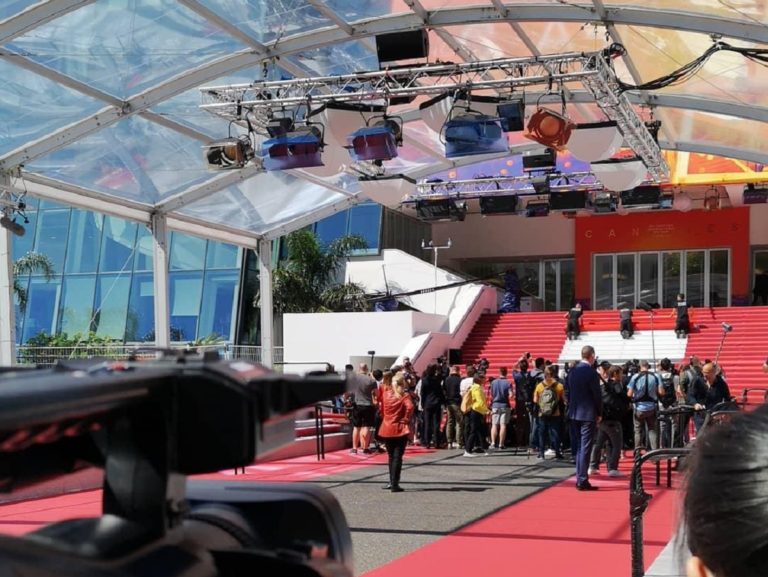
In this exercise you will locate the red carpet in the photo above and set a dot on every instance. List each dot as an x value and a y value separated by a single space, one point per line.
554 533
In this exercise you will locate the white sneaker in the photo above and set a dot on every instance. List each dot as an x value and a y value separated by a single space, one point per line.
468 454
592 471
615 473
549 453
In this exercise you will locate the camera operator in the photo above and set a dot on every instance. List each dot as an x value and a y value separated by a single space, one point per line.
644 390
707 392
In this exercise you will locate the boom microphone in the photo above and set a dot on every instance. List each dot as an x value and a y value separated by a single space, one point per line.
12 225
727 328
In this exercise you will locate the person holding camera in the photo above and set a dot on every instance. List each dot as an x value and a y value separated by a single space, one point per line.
615 406
707 392
396 406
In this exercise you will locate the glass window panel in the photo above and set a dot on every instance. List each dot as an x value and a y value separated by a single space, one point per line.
23 244
351 10
603 281
671 283
332 227
77 304
527 273
726 131
134 158
694 278
748 10
144 253
342 58
185 294
719 278
550 285
649 278
187 252
266 19
125 46
567 285
487 41
219 305
140 323
32 106
221 255
117 245
625 280
112 294
46 204
52 236
42 305
365 220
83 243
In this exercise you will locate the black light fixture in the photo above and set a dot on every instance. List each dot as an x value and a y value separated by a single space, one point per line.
406 45
279 126
501 204
536 209
602 202
9 223
441 209
567 200
540 161
755 195
641 196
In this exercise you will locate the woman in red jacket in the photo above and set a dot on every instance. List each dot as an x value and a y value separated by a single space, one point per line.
396 408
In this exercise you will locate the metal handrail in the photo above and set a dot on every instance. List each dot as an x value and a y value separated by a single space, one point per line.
320 429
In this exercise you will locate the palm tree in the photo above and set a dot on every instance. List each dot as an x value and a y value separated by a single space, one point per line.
307 281
30 263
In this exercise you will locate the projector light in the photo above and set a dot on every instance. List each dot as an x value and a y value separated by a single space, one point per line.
470 134
544 161
536 209
378 142
603 202
641 197
549 128
569 200
229 153
512 114
298 149
502 204
441 209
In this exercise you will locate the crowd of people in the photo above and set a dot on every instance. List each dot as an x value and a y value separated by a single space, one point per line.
587 411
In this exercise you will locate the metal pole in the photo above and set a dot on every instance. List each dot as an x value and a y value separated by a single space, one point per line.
653 344
435 248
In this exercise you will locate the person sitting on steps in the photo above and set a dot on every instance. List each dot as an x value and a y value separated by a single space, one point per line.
682 312
626 327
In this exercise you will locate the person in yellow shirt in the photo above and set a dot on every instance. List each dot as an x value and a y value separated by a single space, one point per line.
549 397
475 419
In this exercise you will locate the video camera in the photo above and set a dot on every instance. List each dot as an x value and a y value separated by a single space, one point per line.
148 425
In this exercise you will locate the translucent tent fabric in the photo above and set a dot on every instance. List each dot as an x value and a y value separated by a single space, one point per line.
101 99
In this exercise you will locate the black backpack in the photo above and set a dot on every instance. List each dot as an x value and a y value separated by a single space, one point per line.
668 384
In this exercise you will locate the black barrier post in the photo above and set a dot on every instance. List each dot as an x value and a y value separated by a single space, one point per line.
639 499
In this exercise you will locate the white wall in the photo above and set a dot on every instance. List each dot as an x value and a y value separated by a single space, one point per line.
758 224
338 338
507 237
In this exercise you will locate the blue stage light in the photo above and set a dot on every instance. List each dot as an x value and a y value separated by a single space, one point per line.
470 134
377 142
298 149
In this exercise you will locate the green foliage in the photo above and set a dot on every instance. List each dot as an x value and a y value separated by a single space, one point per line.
30 263
79 340
307 281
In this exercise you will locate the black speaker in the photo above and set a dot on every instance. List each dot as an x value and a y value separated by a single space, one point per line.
402 45
454 357
641 195
546 160
567 200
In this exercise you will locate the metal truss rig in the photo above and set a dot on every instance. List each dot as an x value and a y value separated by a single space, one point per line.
259 101
503 185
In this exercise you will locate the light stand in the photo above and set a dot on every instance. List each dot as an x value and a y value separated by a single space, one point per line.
373 354
435 249
649 309
726 329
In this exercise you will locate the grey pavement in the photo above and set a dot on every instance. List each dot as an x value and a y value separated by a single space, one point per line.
670 562
444 492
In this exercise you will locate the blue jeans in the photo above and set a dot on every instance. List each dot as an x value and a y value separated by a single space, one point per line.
549 425
584 437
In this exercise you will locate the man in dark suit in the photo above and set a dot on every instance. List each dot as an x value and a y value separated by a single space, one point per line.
584 409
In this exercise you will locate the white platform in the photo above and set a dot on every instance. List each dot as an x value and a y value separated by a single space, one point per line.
609 346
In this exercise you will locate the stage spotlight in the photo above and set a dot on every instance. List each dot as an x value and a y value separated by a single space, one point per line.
441 209
229 153
595 141
510 111
377 142
641 197
567 200
602 202
540 161
12 225
279 126
620 174
754 195
298 149
472 133
512 114
502 204
541 184
536 209
549 128
666 201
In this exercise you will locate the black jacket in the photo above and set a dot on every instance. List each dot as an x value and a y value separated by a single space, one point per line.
708 396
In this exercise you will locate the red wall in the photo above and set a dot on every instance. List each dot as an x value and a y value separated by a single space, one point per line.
665 230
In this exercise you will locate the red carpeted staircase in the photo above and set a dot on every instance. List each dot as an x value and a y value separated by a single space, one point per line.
502 338
744 349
